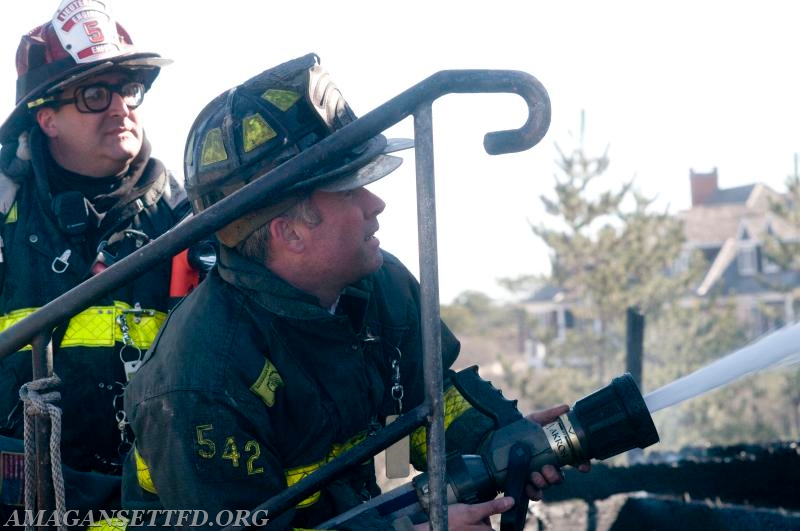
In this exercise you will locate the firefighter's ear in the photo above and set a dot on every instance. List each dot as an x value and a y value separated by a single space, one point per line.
45 117
287 234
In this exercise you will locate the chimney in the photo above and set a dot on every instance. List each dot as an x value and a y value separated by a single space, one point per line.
704 186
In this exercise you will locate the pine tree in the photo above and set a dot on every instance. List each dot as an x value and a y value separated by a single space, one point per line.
611 251
785 252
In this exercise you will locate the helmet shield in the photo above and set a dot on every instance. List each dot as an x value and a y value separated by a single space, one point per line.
82 39
251 129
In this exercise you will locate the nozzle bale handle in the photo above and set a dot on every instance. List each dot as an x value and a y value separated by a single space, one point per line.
485 397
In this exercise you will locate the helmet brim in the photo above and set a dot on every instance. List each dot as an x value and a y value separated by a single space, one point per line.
371 164
378 167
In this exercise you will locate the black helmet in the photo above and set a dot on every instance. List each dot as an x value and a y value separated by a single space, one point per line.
247 131
81 40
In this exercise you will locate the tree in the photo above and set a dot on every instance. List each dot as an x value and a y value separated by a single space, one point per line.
474 312
610 251
785 252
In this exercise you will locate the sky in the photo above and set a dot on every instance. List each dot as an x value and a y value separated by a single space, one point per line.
669 87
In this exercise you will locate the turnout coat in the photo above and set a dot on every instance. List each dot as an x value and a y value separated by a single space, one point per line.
251 386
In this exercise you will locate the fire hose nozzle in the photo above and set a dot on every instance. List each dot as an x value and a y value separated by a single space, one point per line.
608 422
613 420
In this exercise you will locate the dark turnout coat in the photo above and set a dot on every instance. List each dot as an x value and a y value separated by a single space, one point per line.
251 386
41 261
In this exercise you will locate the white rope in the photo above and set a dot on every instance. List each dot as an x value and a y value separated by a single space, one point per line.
40 404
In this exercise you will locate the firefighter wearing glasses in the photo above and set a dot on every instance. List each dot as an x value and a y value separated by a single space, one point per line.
305 339
78 191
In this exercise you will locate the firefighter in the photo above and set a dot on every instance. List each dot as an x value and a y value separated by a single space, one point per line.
304 339
80 190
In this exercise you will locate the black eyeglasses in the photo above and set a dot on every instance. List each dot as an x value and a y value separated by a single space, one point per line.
97 96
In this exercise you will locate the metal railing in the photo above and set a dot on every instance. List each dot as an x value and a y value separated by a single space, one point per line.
291 176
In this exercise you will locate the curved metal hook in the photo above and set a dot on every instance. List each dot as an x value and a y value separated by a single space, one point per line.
511 81
422 95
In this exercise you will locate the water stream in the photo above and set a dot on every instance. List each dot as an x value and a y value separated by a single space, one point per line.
781 346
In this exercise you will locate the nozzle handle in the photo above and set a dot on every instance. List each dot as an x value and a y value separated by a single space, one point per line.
516 479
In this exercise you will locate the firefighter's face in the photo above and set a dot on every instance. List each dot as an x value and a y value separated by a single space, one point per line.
95 144
343 246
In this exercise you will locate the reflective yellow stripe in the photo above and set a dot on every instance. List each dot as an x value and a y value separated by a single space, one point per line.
97 326
296 474
11 217
454 406
111 524
143 472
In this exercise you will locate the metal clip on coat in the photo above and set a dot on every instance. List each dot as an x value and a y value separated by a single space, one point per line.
61 262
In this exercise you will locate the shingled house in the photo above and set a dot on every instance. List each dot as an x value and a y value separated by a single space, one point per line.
729 226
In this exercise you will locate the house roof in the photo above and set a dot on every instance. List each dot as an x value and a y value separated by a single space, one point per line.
739 194
719 226
729 219
726 255
711 224
732 213
547 293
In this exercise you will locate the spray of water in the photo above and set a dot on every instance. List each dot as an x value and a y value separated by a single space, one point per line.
779 347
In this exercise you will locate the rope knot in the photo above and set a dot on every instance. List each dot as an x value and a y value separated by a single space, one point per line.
37 402
38 398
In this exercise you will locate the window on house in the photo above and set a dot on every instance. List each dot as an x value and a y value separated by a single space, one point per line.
569 319
548 320
767 265
682 262
747 260
765 317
